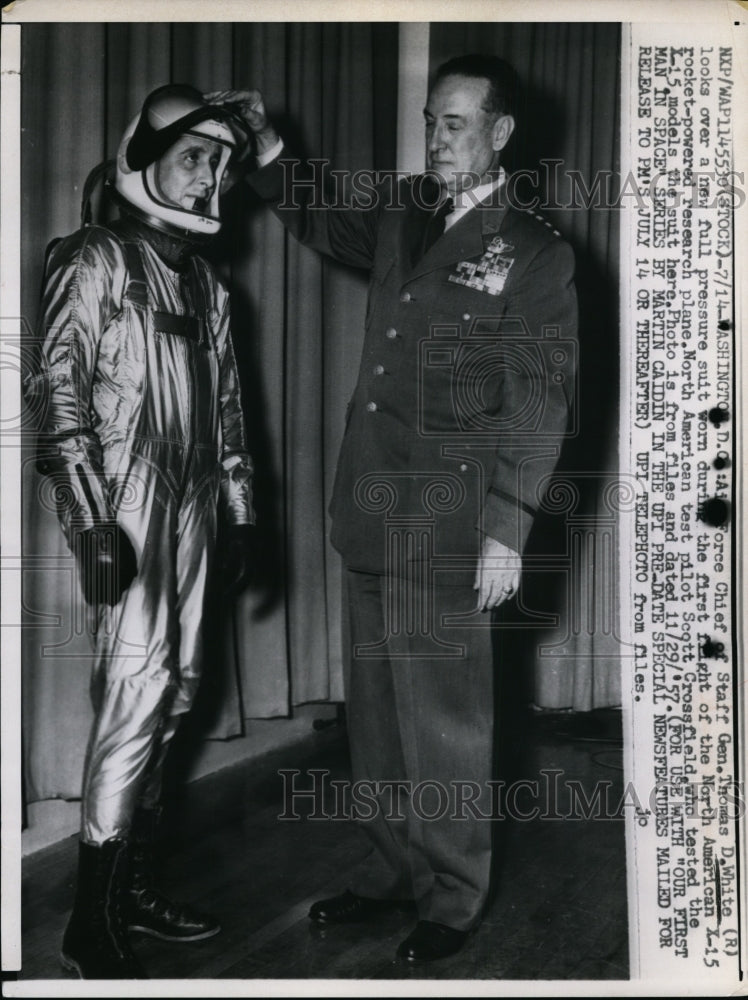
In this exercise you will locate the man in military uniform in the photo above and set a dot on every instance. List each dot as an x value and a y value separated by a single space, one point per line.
142 434
462 401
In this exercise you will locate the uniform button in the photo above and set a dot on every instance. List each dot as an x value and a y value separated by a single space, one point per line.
466 316
463 467
405 297
379 369
371 407
391 333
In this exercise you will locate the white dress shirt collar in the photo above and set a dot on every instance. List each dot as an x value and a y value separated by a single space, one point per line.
466 200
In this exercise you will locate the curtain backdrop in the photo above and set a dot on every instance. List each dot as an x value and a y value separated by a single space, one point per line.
569 113
332 90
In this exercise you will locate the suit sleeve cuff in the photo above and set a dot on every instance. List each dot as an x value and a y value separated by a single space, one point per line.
506 519
271 154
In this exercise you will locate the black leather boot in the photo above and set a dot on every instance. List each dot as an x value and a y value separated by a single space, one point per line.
147 910
95 944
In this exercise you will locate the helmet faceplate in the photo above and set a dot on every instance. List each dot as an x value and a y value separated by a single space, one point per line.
168 114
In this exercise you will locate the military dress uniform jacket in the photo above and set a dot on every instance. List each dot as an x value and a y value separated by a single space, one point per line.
466 380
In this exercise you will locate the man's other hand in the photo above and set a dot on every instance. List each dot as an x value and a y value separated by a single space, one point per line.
497 575
107 563
238 558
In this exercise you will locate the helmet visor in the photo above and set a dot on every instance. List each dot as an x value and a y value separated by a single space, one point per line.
149 143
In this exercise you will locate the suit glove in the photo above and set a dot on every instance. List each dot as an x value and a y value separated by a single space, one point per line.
107 563
238 557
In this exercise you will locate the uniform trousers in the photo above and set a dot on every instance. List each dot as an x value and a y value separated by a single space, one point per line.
421 729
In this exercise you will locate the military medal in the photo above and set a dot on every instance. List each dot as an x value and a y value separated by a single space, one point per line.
490 272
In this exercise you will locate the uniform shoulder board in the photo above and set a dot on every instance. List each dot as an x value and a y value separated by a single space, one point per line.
540 218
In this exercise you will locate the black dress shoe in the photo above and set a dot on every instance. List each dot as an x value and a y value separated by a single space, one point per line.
149 912
429 941
348 908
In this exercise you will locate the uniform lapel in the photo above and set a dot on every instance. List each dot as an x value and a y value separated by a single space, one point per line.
464 240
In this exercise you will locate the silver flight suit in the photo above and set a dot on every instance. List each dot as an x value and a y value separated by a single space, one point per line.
143 425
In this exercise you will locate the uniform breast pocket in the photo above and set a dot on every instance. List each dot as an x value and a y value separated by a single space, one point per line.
474 309
488 273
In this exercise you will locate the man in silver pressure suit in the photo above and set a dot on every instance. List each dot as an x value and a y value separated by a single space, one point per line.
143 436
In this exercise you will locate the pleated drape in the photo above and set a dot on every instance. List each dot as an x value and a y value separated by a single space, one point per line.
568 117
297 324
297 327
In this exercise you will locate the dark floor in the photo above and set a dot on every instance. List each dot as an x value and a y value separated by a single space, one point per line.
559 910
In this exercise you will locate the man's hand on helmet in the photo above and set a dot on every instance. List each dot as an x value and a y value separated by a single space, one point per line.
251 106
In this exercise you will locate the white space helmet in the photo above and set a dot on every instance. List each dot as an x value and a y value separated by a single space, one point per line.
168 114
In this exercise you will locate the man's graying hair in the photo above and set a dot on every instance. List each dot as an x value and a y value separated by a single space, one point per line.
503 82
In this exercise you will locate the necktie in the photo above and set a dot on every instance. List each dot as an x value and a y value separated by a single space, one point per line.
435 224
